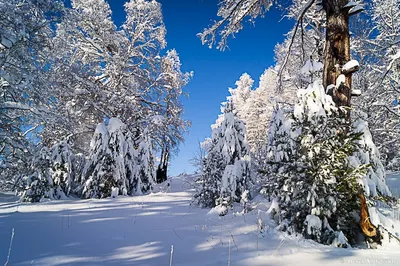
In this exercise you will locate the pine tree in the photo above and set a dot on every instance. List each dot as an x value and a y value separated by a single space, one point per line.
226 174
63 169
146 175
118 162
38 183
98 168
111 151
314 177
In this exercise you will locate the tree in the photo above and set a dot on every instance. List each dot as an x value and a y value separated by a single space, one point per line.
118 162
311 173
120 73
25 100
63 167
226 174
146 174
170 128
111 155
338 68
375 46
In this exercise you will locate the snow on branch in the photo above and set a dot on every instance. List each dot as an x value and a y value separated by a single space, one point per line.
233 12
303 11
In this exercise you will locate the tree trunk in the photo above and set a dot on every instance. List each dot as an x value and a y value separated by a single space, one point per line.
337 53
162 169
337 49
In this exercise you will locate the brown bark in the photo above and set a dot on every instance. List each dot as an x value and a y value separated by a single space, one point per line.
337 49
365 223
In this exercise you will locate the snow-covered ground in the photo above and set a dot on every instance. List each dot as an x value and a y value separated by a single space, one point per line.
140 231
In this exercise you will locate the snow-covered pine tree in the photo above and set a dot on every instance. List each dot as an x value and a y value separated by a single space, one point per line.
62 169
213 167
313 174
39 183
97 167
117 161
145 175
111 150
226 173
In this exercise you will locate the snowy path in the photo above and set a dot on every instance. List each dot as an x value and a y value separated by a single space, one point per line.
140 231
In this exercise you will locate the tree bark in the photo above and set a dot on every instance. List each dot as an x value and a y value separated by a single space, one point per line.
337 49
162 169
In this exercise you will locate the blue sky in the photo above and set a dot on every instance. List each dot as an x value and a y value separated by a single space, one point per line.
250 51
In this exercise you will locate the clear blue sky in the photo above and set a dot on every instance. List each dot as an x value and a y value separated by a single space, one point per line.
214 71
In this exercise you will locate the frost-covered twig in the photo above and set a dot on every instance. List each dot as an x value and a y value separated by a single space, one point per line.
172 252
299 21
9 250
229 253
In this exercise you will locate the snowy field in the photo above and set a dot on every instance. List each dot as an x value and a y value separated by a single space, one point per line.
140 231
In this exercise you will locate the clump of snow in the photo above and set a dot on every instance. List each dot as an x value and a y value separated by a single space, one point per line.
314 101
314 224
114 124
374 180
158 120
340 80
274 206
330 87
355 92
350 65
219 210
340 240
114 192
356 10
311 67
350 4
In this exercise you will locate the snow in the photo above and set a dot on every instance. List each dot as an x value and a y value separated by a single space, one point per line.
356 9
140 231
355 92
349 65
311 67
340 80
330 87
114 124
6 42
114 192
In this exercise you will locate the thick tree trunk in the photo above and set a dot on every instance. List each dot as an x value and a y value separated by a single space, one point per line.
337 49
337 53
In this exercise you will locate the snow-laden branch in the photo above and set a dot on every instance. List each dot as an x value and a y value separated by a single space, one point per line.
298 23
233 12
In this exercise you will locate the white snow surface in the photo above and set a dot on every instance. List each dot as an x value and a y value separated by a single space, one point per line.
140 231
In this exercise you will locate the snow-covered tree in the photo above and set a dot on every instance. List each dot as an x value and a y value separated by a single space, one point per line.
168 132
259 110
146 174
25 39
311 175
38 183
111 151
101 71
226 173
63 168
241 94
118 162
376 47
338 67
